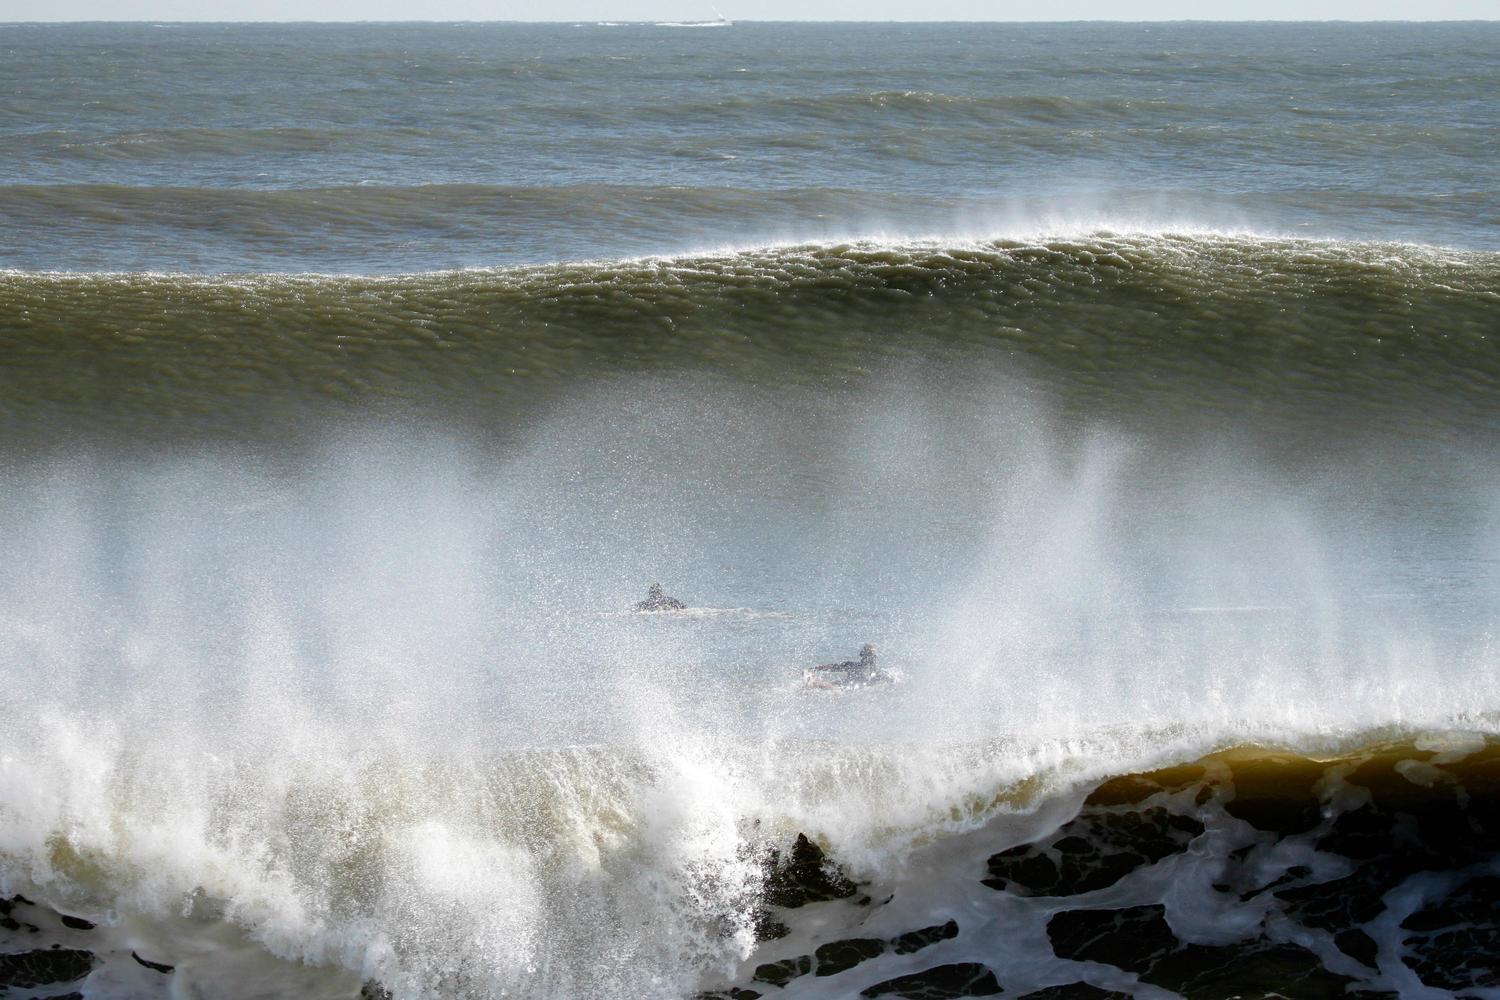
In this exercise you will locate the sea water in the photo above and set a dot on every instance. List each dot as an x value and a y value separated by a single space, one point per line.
1131 387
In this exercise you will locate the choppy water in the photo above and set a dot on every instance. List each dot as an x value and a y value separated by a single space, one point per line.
1133 387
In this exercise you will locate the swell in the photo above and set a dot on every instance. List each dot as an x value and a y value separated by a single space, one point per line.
847 109
372 206
1162 323
876 108
348 225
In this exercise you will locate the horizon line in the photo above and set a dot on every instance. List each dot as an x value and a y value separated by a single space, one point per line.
623 22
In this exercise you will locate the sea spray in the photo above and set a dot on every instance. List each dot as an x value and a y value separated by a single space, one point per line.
382 713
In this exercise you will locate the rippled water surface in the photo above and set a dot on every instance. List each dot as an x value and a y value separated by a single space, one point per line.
389 148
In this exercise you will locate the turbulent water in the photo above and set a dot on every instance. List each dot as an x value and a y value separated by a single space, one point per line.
1136 389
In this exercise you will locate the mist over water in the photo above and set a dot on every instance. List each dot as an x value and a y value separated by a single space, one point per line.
989 544
402 587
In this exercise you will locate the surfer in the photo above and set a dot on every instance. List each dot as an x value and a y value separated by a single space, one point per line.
849 673
657 600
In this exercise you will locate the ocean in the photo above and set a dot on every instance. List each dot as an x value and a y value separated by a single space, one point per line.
1133 388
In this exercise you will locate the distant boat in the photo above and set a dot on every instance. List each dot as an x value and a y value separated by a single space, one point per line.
719 22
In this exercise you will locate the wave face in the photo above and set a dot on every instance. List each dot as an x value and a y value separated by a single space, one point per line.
1132 389
1147 323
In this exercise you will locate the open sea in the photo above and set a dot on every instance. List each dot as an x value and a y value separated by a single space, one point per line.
1135 388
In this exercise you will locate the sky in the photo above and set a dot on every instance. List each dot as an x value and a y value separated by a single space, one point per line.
759 10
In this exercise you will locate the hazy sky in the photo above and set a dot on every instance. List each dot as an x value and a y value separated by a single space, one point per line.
760 10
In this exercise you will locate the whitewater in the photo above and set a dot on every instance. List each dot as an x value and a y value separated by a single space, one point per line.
1133 390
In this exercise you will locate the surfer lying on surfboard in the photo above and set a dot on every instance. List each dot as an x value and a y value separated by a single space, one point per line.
849 673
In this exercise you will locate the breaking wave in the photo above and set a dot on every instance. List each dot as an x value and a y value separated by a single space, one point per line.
965 871
314 627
